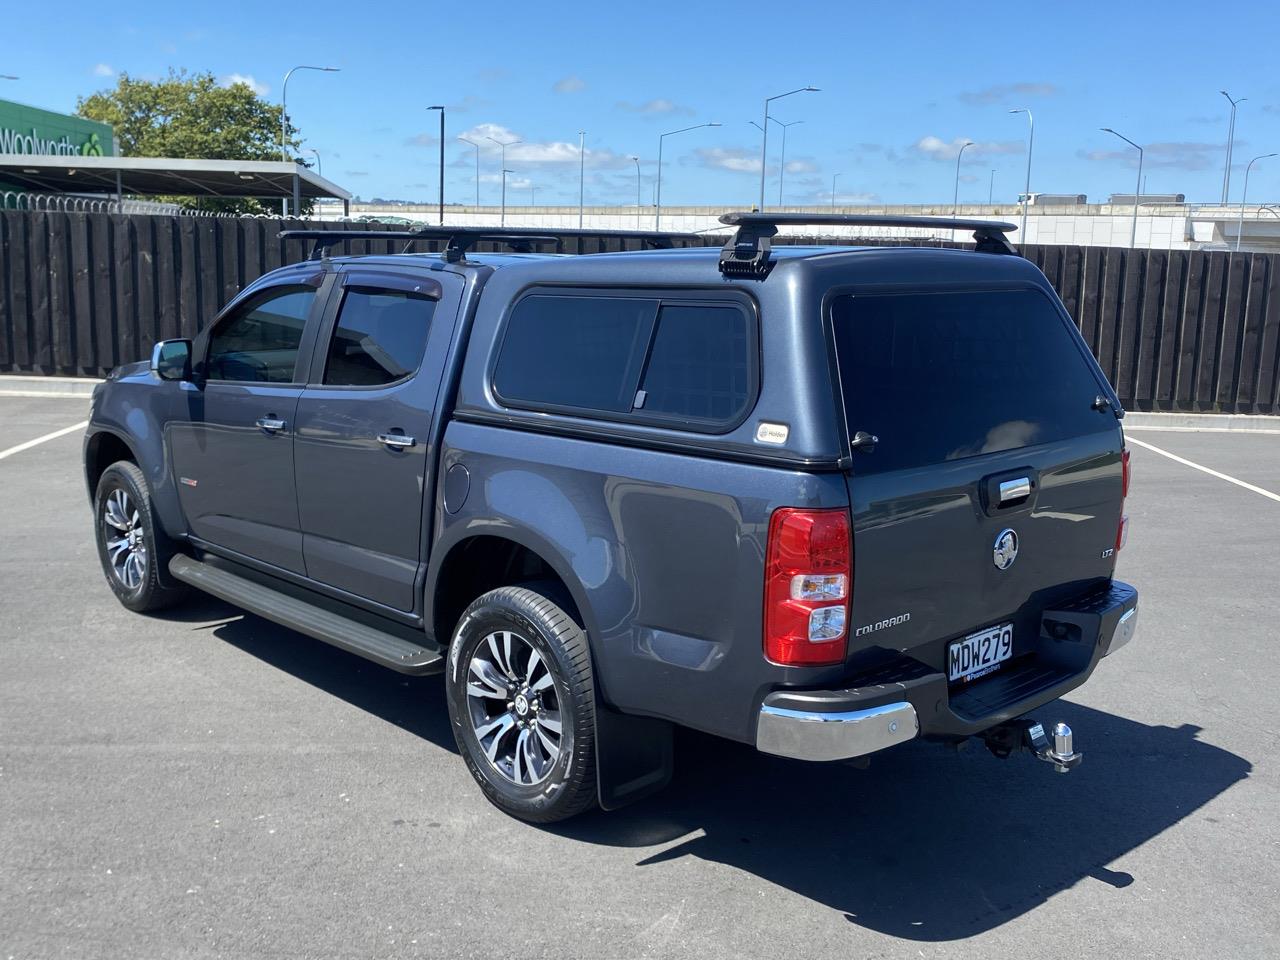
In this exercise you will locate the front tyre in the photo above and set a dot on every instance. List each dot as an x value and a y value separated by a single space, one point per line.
131 544
522 704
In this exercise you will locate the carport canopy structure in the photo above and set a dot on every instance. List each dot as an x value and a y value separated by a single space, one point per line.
162 176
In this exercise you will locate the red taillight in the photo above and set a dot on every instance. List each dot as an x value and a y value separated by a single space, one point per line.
807 586
1122 532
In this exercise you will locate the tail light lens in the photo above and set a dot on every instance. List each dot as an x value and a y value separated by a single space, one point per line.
1122 532
808 579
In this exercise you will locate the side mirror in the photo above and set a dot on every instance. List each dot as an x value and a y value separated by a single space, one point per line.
171 360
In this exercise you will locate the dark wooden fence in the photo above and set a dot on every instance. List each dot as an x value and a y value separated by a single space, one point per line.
83 292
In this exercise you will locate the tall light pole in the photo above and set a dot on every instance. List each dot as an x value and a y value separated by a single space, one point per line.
441 109
782 163
991 187
284 118
533 194
1231 140
657 201
477 147
1137 190
1245 193
582 171
319 167
955 197
834 178
1026 190
764 143
638 202
505 171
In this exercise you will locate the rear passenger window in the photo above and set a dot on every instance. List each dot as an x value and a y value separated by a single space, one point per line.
379 337
698 364
582 352
634 358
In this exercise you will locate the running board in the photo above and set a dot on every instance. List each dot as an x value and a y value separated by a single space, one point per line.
382 648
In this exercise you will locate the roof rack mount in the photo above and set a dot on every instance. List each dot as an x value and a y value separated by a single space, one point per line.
458 240
748 251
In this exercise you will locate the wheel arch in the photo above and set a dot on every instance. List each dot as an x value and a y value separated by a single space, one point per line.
483 555
101 449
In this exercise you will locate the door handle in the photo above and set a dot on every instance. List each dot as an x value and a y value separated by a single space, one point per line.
396 441
1015 489
270 424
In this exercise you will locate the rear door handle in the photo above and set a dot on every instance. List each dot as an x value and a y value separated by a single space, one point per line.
396 441
270 424
1015 489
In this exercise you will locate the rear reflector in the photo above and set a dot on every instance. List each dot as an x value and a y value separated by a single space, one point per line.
808 570
1122 533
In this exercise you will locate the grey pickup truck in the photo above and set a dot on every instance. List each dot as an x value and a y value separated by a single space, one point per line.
821 500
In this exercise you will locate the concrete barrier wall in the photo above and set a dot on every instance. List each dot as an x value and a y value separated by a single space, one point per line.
81 293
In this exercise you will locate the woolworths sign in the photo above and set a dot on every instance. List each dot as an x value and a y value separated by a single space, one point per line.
28 130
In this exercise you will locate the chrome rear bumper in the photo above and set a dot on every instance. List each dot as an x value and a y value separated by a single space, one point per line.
837 735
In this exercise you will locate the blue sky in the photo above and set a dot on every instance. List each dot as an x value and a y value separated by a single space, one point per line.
901 85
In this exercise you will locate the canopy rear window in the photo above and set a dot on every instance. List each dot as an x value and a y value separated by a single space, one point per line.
948 375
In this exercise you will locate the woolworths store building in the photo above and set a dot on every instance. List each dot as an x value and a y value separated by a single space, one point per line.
29 130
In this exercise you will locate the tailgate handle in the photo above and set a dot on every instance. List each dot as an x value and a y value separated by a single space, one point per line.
1017 489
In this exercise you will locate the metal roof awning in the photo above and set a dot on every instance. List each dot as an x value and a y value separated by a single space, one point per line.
162 176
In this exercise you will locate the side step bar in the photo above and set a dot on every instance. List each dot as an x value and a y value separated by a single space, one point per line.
382 648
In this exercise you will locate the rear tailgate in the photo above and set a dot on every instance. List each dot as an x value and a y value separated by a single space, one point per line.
966 391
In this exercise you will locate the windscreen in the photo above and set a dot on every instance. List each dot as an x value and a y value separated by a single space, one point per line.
948 375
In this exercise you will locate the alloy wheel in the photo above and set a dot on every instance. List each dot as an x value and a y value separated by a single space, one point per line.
514 708
125 539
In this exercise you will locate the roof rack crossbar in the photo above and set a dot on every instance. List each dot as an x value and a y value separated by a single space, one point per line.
747 252
458 240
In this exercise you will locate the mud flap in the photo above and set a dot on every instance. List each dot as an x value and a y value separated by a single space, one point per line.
633 757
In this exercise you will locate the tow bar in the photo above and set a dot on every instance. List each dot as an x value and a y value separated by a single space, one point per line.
1027 734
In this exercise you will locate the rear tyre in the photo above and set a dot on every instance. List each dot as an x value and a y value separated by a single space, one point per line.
522 704
131 545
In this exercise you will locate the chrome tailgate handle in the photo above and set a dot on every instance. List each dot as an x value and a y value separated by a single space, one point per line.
270 424
1017 489
396 441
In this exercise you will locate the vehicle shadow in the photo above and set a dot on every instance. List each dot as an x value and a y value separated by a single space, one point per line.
927 844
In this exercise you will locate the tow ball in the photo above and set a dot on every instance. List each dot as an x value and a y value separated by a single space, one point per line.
1027 734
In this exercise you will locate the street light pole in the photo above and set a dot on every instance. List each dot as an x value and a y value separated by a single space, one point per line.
505 171
657 200
638 202
441 109
1137 190
782 163
1231 140
955 197
834 178
1244 194
477 147
284 118
1026 190
582 170
991 187
319 166
764 143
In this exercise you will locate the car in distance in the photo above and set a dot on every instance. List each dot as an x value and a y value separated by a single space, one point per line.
821 500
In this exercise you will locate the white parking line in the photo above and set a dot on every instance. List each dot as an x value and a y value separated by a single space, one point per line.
1203 469
53 436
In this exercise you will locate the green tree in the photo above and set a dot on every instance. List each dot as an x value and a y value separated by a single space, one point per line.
192 116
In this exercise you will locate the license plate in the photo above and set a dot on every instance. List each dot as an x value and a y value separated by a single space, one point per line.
979 653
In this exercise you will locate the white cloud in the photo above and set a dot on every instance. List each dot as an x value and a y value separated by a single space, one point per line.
656 106
542 152
936 148
733 159
104 70
569 84
261 89
800 166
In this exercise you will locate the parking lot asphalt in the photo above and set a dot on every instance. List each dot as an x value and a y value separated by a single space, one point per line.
206 784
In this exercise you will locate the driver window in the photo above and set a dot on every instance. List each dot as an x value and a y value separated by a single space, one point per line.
259 342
